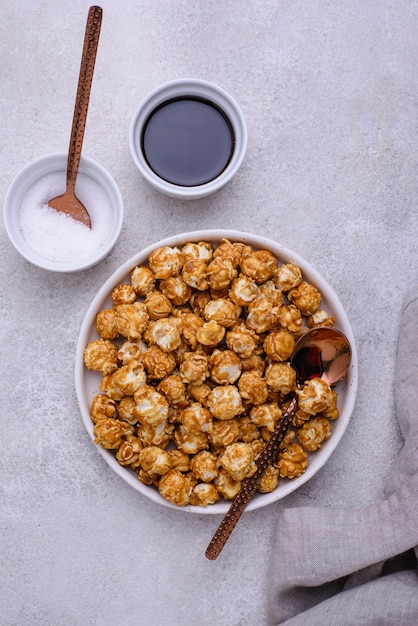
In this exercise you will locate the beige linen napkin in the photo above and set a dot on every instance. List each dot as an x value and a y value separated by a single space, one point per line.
346 567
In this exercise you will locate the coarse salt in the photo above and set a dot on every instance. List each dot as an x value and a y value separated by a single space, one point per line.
56 236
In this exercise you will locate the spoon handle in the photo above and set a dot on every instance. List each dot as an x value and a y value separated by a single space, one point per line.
88 59
249 485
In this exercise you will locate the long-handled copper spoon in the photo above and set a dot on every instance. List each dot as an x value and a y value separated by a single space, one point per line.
321 352
68 202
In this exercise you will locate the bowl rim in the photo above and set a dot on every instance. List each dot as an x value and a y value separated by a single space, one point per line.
214 235
35 170
188 87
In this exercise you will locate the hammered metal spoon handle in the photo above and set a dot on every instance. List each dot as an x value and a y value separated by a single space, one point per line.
88 59
249 485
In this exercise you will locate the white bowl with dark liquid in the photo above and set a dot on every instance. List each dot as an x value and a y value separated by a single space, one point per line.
188 138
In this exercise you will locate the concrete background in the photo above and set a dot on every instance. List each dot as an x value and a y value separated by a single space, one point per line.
330 94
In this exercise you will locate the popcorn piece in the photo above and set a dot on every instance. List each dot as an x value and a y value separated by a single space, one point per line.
191 443
196 419
314 432
166 333
238 460
254 363
210 334
198 301
175 487
106 324
220 273
202 251
157 305
279 345
179 460
200 393
290 318
262 315
195 368
150 406
101 355
125 381
306 297
128 452
243 290
131 320
102 407
260 265
109 432
252 387
320 318
174 390
194 274
142 280
288 276
293 461
313 397
232 251
331 412
204 466
224 402
131 351
191 324
225 367
176 289
166 262
154 460
280 377
158 363
269 480
123 294
155 435
227 486
224 432
242 340
248 431
223 311
126 410
266 415
204 494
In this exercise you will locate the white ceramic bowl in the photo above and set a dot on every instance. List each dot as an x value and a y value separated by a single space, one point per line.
188 88
34 238
87 381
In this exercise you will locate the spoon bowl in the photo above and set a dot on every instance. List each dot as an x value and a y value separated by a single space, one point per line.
320 353
68 202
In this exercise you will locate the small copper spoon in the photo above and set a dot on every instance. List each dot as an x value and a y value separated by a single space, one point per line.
320 352
68 202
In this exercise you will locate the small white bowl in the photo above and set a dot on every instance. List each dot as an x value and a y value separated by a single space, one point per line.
54 248
189 88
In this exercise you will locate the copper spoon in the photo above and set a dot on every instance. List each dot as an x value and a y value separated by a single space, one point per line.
68 202
320 352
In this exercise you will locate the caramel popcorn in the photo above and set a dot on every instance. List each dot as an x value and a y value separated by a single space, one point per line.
193 357
259 265
238 460
131 320
166 262
293 461
306 297
123 294
225 367
175 487
314 432
279 345
157 362
106 324
101 355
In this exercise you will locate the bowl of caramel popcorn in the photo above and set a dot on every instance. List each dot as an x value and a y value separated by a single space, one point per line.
182 369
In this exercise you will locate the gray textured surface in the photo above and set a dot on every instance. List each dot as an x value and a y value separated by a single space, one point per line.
330 92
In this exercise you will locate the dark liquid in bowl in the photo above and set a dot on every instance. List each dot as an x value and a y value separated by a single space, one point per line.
187 141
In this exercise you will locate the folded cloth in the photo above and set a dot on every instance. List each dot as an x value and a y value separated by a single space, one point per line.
346 567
